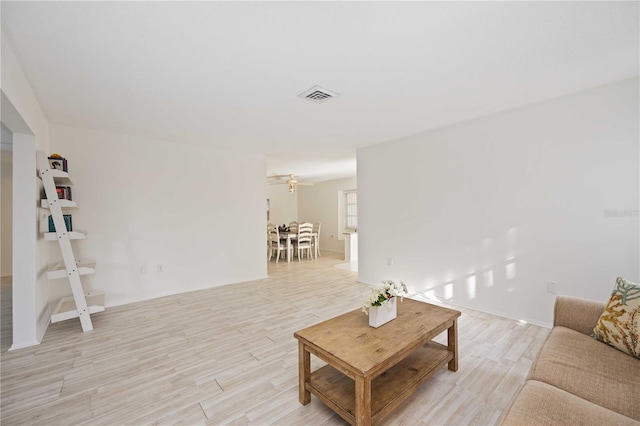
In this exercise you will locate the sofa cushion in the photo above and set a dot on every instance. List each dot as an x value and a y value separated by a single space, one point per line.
619 324
589 369
542 404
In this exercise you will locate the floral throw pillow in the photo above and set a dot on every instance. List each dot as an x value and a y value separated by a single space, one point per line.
619 324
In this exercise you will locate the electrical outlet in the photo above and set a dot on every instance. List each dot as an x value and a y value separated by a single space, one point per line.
389 261
552 287
143 269
44 220
159 268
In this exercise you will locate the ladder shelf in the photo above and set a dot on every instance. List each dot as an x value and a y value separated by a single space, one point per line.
80 304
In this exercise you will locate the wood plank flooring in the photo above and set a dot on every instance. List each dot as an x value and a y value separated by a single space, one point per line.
227 355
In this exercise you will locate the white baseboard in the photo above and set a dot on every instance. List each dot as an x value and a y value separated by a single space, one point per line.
41 328
500 314
23 345
475 308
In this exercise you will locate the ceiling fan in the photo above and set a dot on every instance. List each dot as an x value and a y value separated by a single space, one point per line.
291 181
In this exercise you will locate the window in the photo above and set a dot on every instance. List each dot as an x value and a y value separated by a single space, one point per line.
350 210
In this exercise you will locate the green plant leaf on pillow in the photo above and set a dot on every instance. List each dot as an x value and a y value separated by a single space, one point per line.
628 290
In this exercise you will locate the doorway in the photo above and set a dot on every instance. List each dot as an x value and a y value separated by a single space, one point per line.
6 233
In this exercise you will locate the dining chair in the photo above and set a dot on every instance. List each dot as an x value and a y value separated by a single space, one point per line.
293 228
275 243
316 238
303 240
269 227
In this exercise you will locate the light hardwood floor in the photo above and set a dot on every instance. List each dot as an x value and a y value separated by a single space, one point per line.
227 355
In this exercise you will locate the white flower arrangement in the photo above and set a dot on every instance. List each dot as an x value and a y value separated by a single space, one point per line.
380 296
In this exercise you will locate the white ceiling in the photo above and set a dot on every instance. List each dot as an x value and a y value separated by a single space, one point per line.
227 74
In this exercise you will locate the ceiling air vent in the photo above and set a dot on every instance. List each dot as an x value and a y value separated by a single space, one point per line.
318 94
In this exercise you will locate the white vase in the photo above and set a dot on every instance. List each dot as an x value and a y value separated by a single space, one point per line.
379 315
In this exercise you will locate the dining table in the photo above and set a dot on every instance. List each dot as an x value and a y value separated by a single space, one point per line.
288 235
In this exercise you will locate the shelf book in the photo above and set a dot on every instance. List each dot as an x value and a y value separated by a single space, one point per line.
67 221
64 192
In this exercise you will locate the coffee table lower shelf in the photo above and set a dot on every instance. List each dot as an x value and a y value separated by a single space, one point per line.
388 390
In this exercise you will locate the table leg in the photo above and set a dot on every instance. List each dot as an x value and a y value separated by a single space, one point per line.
452 337
363 401
304 374
288 249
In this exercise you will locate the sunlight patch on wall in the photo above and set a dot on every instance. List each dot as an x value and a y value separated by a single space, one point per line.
448 291
510 274
488 278
510 270
471 287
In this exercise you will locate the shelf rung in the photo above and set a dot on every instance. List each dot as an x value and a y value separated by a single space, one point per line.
66 308
59 271
65 204
52 236
60 177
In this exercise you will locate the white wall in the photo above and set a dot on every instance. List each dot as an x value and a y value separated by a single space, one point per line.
147 202
485 212
22 114
6 203
6 140
320 203
284 204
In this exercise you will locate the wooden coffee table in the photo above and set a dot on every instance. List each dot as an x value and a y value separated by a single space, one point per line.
371 371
